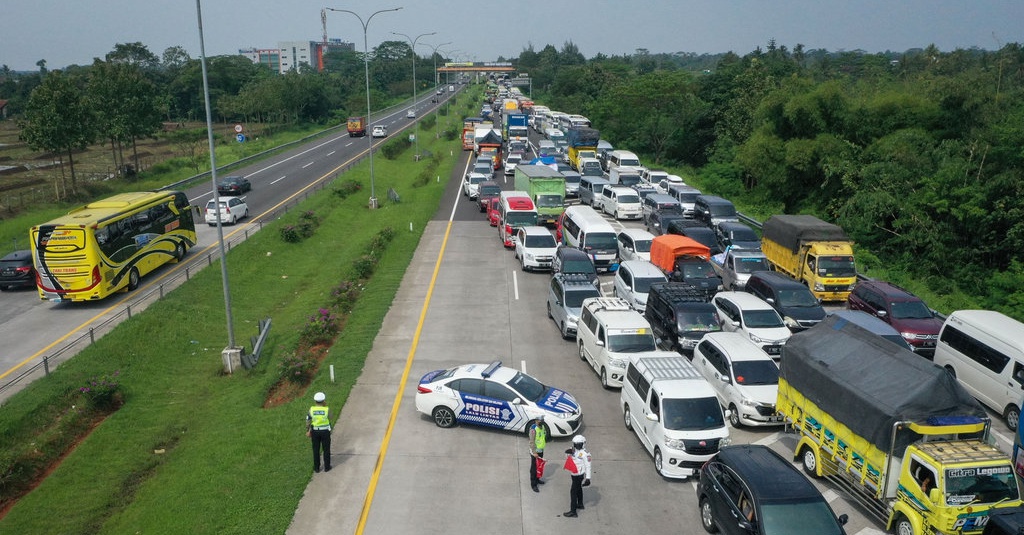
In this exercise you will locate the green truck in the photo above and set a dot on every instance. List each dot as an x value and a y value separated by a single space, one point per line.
546 187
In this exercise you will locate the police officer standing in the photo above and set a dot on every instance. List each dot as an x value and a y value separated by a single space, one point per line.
318 428
579 458
538 440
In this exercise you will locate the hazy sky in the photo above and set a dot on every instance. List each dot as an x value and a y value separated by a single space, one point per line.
65 32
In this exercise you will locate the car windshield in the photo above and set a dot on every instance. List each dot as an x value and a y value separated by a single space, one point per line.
703 236
631 342
490 191
755 372
980 485
574 298
549 201
800 518
744 234
521 219
578 266
802 298
642 246
527 386
701 321
762 319
540 240
910 310
643 285
572 179
691 414
722 210
629 180
688 198
837 266
476 179
602 240
750 265
697 270
629 199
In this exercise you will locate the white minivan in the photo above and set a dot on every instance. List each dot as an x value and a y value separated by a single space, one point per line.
608 333
745 378
583 228
984 350
621 202
674 412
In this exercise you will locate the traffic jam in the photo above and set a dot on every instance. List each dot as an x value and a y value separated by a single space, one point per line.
702 322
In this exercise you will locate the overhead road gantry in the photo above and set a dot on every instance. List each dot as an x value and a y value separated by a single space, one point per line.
477 66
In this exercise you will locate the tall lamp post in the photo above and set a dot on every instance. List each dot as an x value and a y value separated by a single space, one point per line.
366 69
437 81
416 120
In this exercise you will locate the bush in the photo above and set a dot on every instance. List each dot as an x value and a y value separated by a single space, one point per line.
364 265
101 392
321 327
347 188
304 228
298 367
290 234
345 295
394 148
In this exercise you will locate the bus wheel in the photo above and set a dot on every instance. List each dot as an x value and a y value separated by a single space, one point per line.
133 279
179 251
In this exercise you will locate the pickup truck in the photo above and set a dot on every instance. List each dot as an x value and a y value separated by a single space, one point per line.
685 260
736 265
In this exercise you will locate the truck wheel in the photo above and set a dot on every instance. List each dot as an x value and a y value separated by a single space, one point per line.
902 526
1012 415
810 462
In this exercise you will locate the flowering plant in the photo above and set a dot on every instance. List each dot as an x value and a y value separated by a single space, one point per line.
321 327
101 392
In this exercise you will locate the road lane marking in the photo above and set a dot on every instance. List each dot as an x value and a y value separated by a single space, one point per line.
332 152
515 285
307 165
278 180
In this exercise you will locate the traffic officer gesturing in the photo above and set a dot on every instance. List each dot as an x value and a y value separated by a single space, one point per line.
318 428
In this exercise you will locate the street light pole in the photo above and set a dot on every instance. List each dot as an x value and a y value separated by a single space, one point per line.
437 133
366 69
416 120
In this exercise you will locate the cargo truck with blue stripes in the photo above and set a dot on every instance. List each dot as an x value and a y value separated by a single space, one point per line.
894 431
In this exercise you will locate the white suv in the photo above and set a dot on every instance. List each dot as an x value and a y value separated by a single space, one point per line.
745 313
621 202
633 281
743 376
535 248
608 333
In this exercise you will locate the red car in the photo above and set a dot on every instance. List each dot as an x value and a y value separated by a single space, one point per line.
493 217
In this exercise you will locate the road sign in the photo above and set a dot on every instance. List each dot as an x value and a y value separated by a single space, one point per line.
238 128
240 138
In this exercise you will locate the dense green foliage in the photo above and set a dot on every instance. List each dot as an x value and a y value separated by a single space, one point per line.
917 155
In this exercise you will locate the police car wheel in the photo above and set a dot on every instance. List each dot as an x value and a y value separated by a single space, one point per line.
443 416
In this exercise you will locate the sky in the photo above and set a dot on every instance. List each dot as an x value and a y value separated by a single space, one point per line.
68 32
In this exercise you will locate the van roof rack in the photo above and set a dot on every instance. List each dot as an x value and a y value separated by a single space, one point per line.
609 303
680 292
574 277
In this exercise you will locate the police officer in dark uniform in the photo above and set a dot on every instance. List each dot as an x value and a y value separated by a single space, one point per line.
318 428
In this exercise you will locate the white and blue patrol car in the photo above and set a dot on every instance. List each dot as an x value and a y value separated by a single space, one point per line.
495 396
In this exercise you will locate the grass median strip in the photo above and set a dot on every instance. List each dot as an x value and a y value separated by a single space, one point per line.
188 438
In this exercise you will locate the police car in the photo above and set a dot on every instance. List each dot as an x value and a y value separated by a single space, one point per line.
495 396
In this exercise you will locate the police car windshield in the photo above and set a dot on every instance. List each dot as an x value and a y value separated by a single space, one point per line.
527 386
692 414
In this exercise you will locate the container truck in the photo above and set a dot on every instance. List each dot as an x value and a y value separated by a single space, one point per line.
516 127
356 126
894 431
546 187
810 250
582 143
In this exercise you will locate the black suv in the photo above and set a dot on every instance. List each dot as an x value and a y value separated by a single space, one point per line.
790 298
697 271
749 488
16 270
659 220
680 315
572 260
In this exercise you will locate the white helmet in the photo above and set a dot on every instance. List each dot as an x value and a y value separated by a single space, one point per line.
319 396
578 439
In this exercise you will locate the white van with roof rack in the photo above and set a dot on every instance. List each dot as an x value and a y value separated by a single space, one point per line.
608 333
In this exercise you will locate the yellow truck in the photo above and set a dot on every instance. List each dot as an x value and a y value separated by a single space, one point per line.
894 431
810 250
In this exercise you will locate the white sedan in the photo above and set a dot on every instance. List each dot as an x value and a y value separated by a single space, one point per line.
471 184
380 131
411 114
493 395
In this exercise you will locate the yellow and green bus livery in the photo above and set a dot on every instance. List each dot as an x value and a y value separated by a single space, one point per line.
109 245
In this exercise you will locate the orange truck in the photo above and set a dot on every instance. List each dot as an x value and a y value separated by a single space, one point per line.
686 260
356 126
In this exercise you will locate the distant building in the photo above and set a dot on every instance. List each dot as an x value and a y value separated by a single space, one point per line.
294 54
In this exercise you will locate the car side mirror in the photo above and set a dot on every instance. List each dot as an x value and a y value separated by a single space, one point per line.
517 401
746 525
881 314
935 495
770 300
652 417
599 343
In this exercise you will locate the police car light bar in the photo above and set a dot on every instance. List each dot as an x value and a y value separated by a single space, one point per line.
488 371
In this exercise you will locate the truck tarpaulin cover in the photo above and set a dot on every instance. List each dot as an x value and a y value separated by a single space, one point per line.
667 247
492 137
869 383
790 230
583 136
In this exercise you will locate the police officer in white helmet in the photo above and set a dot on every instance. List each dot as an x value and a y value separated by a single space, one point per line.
318 429
578 464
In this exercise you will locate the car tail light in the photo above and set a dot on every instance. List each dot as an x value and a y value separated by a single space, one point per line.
21 270
420 389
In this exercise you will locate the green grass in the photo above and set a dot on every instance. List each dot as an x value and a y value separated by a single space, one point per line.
228 466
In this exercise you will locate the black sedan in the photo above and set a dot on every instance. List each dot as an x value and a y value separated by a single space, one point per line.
16 270
233 185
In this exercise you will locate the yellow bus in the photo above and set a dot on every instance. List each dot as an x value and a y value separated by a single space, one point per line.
108 245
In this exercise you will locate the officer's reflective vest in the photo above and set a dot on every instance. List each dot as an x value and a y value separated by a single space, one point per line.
540 437
318 417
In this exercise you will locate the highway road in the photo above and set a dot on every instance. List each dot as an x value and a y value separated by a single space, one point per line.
31 329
